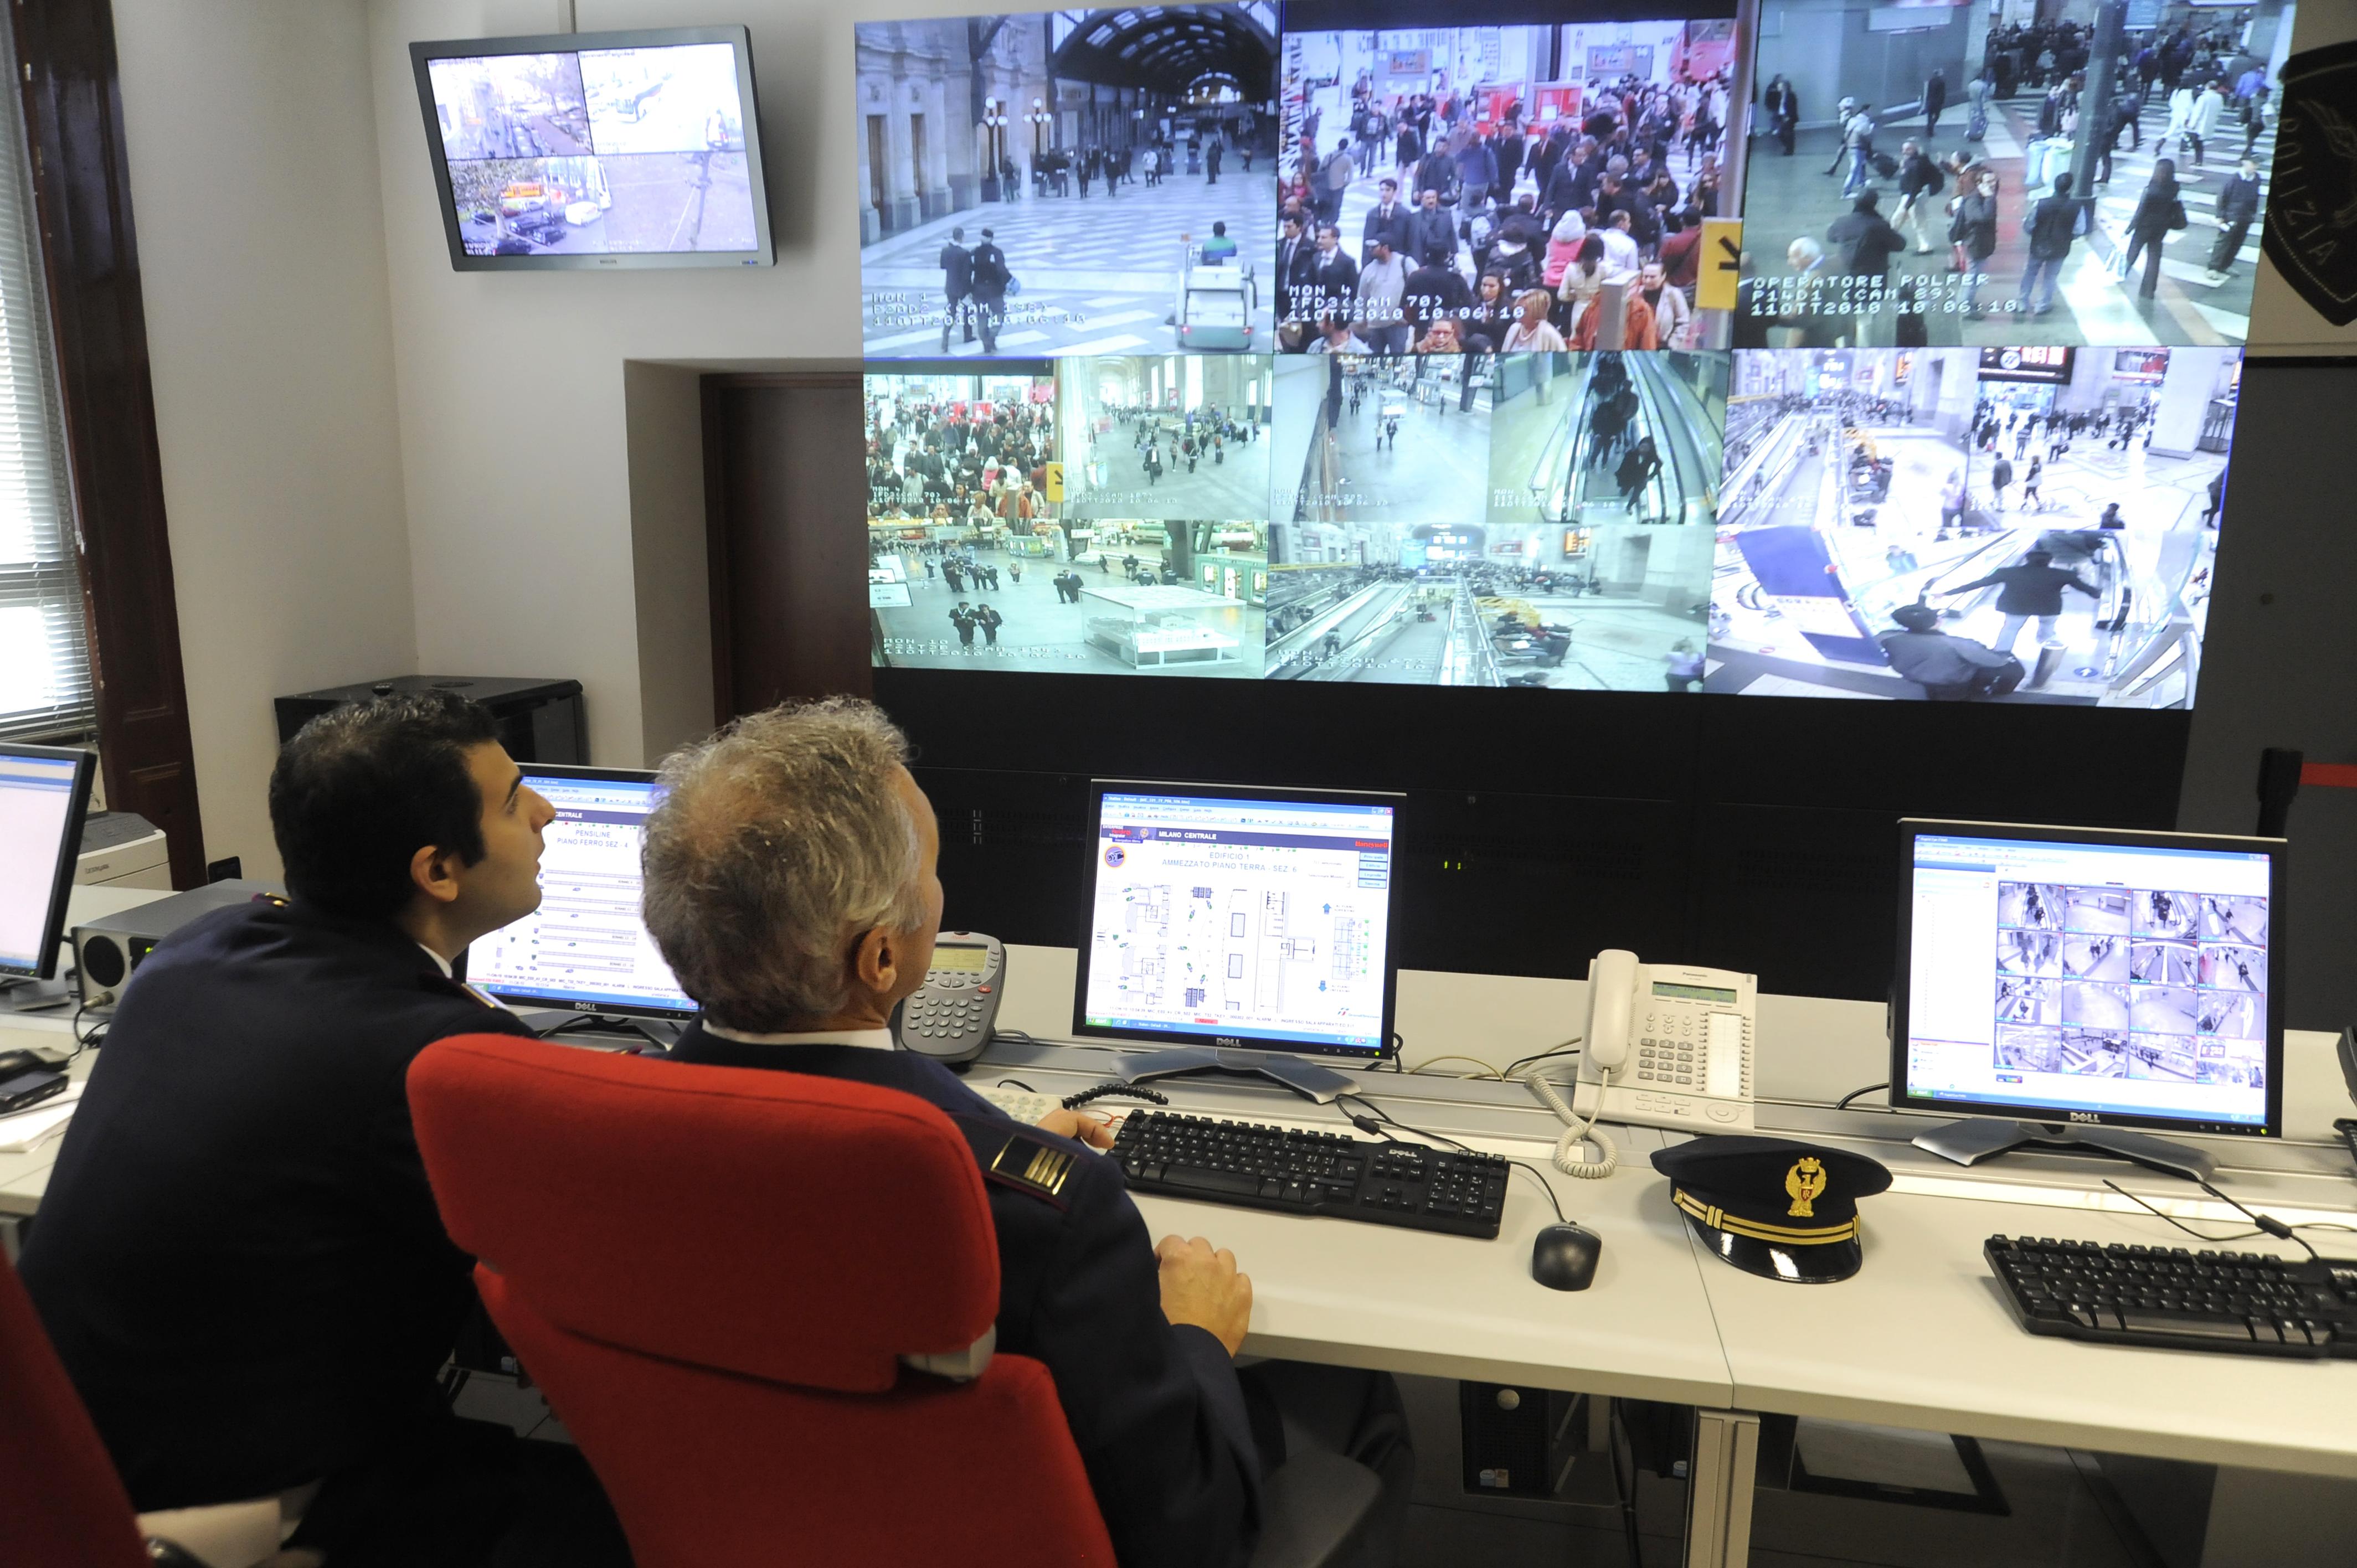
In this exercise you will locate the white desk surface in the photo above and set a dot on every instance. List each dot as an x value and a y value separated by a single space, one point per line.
1919 1339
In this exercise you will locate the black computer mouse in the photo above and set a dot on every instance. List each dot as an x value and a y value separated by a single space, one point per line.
1564 1257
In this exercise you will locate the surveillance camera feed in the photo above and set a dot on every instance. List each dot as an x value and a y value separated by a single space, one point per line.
596 152
2127 979
1418 159
2039 181
1068 182
1464 413
1893 520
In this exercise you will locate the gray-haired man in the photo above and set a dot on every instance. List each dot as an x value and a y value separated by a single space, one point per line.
792 883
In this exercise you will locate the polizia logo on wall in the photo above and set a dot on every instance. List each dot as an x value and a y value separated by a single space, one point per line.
2312 230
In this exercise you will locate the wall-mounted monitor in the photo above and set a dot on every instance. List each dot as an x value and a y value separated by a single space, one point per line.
589 150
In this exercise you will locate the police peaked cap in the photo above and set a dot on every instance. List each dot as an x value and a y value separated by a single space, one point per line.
1774 1207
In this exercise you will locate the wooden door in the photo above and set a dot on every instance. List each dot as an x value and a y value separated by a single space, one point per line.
786 503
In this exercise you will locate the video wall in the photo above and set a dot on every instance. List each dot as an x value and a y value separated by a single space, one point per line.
1890 353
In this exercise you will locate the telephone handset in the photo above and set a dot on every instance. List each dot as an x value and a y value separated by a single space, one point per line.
1666 1046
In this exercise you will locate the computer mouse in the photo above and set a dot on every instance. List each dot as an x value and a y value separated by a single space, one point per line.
1564 1257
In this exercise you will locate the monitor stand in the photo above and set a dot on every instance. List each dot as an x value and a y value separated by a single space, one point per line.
27 995
1975 1138
1305 1078
659 1031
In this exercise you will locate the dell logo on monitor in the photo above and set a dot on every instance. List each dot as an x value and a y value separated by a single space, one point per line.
2085 1116
1226 1040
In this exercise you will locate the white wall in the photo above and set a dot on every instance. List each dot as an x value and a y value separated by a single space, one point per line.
254 156
515 450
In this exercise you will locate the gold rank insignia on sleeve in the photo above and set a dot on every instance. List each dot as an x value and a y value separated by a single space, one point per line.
1806 1182
1042 1169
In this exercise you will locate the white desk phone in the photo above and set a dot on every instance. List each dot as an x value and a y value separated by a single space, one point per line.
1666 1046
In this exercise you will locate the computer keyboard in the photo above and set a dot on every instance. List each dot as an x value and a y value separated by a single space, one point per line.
2168 1297
1257 1166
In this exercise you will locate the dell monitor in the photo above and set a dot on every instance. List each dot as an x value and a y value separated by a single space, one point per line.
2060 985
586 950
1240 927
596 150
43 790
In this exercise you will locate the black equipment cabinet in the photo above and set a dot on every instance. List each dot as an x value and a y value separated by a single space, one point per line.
539 720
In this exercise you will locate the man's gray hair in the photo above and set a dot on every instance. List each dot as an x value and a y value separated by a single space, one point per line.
778 842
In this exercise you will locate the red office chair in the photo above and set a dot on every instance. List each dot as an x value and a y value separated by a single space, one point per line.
713 1273
62 1504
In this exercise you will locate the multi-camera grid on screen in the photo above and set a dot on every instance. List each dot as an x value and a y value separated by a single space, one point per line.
1884 353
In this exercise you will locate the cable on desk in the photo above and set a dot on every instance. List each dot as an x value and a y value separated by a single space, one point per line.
2262 1224
1015 1083
1017 1036
1487 1071
1369 1125
1843 1103
1545 1186
2197 1235
82 1042
1579 1133
1570 1048
1114 1086
1393 1052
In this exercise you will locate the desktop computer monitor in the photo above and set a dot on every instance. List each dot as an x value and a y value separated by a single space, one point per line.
585 949
2088 977
43 790
1239 919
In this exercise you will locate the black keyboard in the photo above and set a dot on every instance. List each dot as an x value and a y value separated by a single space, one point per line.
2167 1296
1256 1167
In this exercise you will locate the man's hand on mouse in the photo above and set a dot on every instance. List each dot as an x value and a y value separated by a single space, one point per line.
1203 1287
1081 1127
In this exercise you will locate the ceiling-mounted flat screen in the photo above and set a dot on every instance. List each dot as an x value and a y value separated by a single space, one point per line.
575 150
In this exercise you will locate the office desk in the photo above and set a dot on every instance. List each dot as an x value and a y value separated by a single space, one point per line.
1450 1306
1919 1339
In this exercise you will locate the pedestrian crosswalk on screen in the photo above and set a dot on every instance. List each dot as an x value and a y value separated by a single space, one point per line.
1637 351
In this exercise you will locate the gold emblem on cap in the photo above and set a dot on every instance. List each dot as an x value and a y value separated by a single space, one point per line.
1805 1181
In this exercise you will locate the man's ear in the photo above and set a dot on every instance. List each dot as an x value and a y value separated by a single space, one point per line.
876 961
432 872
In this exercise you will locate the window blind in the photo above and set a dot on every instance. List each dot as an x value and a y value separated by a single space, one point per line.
45 671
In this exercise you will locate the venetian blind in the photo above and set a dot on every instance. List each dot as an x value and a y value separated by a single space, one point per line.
45 674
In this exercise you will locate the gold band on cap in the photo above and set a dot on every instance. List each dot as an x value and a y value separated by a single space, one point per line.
1718 1218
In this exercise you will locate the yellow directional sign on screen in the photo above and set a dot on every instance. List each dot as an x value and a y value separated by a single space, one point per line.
1056 470
1722 259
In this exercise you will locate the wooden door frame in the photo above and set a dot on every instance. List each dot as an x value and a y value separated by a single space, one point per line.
71 90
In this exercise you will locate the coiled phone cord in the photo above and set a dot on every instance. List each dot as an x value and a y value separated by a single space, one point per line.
1581 1133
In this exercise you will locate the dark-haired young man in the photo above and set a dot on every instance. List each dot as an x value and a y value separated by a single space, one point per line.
238 1255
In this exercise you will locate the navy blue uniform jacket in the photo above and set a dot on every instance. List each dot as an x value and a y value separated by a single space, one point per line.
238 1255
1155 1411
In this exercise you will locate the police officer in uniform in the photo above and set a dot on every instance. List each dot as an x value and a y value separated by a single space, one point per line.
791 884
238 1256
957 281
1772 1207
986 280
